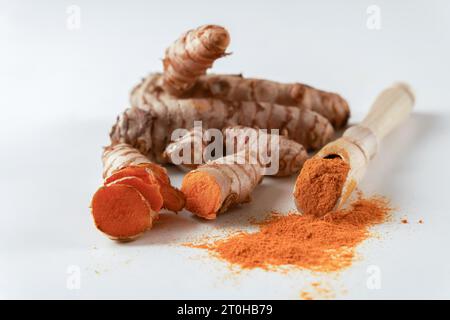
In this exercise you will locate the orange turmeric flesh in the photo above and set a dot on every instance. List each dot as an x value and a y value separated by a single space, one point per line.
203 194
121 212
173 199
132 171
151 192
159 172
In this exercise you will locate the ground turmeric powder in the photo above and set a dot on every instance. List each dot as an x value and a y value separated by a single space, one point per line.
325 244
320 184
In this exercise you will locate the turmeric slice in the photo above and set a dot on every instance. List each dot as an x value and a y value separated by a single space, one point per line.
151 192
121 212
174 199
122 160
133 171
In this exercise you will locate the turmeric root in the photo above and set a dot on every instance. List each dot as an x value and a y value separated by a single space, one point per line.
121 212
214 187
122 160
220 184
155 114
136 187
191 54
194 142
237 88
291 155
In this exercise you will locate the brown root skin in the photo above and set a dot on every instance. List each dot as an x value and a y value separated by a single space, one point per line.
121 212
237 88
221 184
292 155
191 55
151 192
154 115
203 194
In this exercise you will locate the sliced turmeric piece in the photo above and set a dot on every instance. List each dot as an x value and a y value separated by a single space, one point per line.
174 199
122 160
151 192
203 194
133 171
121 212
218 185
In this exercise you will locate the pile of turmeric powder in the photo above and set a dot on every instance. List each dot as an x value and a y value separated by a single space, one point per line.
320 239
324 244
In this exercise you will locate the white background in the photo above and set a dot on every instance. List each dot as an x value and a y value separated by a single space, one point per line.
61 89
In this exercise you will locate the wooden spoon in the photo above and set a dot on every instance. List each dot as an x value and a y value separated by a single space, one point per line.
359 143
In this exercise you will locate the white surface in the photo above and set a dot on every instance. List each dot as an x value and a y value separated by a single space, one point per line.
61 91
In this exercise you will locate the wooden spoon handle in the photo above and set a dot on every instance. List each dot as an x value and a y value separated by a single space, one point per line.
391 107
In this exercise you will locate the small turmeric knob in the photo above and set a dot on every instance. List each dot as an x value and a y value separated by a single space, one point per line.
191 55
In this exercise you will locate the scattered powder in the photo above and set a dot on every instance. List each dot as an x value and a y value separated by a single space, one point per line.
324 244
317 290
305 295
319 185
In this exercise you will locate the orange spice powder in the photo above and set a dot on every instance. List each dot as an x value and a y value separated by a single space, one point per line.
320 184
324 244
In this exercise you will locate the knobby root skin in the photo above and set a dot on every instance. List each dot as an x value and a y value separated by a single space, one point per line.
191 55
121 212
220 184
237 88
154 115
194 142
292 155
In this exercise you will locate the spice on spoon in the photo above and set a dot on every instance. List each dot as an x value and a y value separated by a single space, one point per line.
319 185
